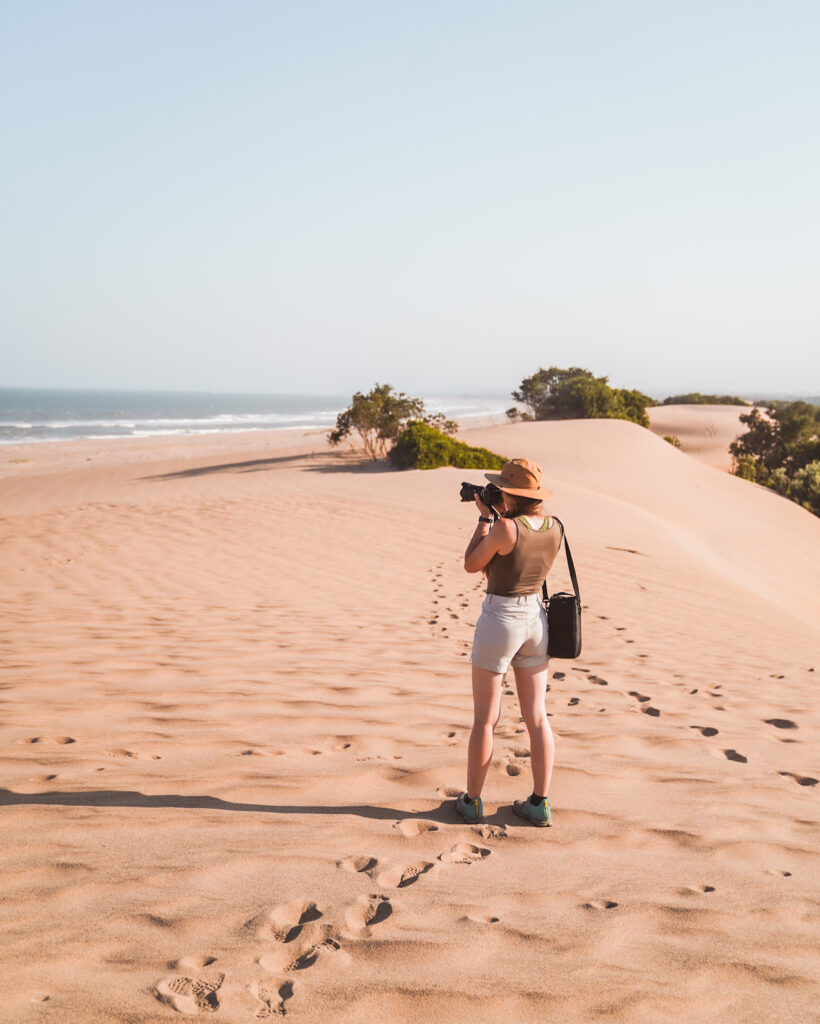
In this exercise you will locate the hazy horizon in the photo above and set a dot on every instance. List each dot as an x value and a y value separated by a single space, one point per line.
322 196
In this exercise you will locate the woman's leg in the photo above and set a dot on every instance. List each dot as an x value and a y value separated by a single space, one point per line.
487 709
531 684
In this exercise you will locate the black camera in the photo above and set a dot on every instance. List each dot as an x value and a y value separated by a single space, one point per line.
489 494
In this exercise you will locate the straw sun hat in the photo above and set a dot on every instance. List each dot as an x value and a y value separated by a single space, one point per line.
520 476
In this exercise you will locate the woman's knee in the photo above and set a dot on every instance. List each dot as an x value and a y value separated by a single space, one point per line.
485 720
537 721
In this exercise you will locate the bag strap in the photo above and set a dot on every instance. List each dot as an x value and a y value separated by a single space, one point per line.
570 563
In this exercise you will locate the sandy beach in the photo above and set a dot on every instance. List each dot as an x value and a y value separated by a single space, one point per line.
236 702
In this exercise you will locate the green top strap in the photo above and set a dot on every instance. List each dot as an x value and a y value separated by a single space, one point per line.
541 529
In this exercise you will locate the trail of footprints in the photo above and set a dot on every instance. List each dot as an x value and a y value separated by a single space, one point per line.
781 724
296 935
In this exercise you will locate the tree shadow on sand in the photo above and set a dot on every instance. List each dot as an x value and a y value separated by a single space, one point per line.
133 798
314 462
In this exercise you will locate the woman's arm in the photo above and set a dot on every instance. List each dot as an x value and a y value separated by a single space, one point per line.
487 542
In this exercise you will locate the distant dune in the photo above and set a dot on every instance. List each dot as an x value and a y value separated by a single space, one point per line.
236 703
705 431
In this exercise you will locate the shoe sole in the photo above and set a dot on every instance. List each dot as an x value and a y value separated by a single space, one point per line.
526 817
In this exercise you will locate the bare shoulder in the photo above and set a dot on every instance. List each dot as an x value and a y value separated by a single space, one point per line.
506 535
505 528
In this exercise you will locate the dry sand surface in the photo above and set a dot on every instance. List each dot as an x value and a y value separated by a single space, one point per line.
236 702
705 431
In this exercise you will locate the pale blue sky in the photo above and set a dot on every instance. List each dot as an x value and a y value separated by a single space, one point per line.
313 196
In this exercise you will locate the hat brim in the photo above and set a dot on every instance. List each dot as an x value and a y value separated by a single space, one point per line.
523 492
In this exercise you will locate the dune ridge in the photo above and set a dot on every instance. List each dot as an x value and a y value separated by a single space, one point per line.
236 701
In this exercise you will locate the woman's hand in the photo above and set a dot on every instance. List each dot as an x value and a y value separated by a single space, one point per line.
482 508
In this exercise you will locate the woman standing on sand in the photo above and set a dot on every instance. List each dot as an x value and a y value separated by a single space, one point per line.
515 554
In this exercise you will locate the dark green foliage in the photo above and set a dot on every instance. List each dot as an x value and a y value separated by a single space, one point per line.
674 441
422 446
557 394
380 416
781 450
696 398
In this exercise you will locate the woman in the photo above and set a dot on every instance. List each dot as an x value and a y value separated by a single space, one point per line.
515 554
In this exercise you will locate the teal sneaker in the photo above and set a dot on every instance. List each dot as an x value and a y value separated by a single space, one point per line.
470 810
535 814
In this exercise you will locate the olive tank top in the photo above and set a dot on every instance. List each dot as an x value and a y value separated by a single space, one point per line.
525 568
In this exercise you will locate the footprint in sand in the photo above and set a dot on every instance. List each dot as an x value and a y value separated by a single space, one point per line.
491 831
649 710
50 739
414 827
573 701
272 997
600 905
190 993
284 923
639 696
598 681
368 911
781 723
559 675
480 918
705 730
464 853
695 890
357 865
302 952
801 780
520 752
513 769
401 876
732 755
448 791
780 873
192 962
130 753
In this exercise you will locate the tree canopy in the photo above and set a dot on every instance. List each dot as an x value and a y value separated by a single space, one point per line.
781 450
696 398
575 393
377 418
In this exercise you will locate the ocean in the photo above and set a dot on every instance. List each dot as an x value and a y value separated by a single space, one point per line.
41 414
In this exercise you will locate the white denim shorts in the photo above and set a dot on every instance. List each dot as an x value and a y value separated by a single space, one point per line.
510 630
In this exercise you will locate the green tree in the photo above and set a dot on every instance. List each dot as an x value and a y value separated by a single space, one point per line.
781 450
576 393
696 398
805 487
785 436
380 416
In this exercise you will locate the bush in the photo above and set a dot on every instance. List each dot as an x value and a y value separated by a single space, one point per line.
781 450
805 487
577 394
380 416
422 446
696 398
674 441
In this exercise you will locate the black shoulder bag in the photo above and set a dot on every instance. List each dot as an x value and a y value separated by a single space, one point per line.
564 613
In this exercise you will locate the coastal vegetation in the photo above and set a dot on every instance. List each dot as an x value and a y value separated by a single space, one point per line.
696 398
781 450
417 439
575 393
672 439
422 446
377 419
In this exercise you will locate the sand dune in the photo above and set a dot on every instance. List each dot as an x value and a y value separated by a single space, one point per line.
236 704
705 431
